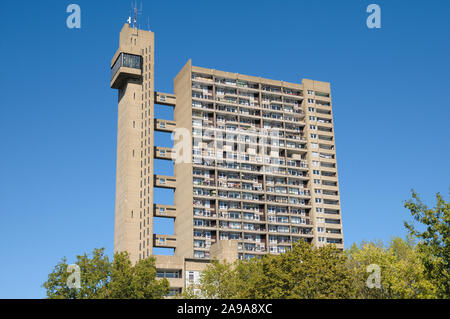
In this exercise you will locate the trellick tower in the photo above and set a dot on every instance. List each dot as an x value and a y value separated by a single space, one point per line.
261 172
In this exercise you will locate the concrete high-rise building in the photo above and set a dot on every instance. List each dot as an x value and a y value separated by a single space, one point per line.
254 163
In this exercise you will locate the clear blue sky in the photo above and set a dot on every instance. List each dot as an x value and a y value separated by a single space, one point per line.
58 115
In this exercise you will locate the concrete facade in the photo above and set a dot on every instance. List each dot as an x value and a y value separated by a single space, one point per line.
255 173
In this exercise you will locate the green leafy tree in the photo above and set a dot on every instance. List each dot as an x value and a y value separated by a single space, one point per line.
216 282
135 282
303 272
249 273
434 240
99 278
402 273
94 277
189 292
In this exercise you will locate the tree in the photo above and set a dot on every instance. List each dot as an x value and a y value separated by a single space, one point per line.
303 272
135 282
249 273
434 240
402 274
216 282
226 280
99 278
94 271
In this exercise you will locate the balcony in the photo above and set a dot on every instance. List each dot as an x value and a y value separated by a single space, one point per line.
201 77
205 96
322 103
292 92
204 213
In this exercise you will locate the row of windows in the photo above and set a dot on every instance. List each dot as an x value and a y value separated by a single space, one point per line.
254 85
145 223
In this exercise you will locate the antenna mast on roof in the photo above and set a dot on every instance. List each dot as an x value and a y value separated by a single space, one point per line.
135 12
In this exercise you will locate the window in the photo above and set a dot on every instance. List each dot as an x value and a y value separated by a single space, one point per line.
222 205
283 229
334 241
313 135
199 222
126 60
332 221
168 273
322 94
235 236
235 215
198 254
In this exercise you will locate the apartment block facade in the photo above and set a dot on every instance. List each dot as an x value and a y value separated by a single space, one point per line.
254 163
